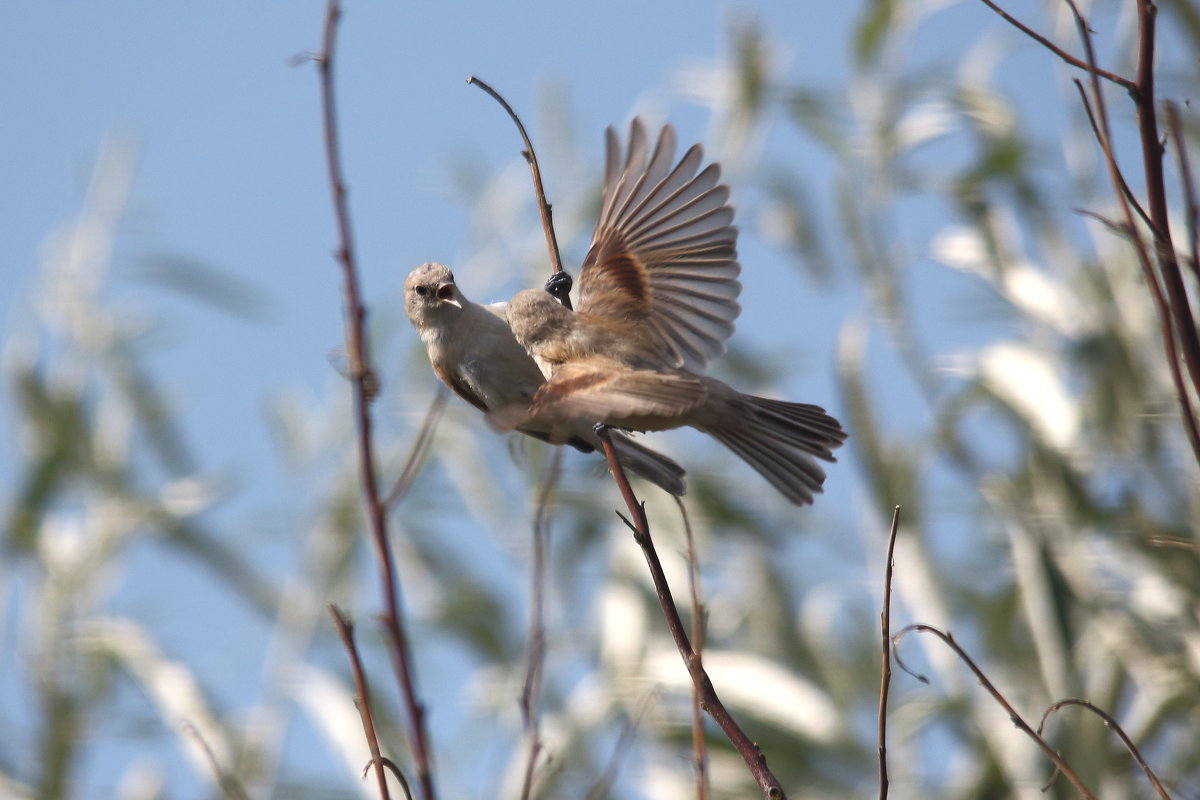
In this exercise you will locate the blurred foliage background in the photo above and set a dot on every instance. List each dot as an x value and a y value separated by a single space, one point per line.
998 365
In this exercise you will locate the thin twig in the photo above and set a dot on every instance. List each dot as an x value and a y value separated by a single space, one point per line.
603 785
228 783
745 746
361 380
531 157
1174 317
536 656
1058 51
1016 718
885 681
699 742
420 448
1117 729
362 696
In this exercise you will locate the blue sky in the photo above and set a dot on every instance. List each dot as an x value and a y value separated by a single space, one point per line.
221 112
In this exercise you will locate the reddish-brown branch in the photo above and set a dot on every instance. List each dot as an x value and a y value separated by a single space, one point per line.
531 158
1058 51
640 526
885 680
1177 330
362 380
1113 725
1156 193
1016 718
362 698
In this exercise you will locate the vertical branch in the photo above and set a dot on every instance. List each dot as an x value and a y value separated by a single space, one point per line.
1174 317
364 385
699 748
1156 193
537 624
885 681
640 526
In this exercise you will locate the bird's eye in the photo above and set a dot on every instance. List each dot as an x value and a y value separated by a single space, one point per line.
421 291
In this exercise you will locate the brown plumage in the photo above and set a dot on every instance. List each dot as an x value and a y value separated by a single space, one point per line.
658 299
474 353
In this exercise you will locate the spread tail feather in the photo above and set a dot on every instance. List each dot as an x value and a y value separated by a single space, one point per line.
782 441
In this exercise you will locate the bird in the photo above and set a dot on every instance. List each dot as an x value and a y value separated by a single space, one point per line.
473 352
658 296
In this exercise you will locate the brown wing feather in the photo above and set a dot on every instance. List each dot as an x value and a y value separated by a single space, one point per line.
664 253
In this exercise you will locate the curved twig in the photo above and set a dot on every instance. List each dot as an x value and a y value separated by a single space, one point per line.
1117 729
530 157
1016 718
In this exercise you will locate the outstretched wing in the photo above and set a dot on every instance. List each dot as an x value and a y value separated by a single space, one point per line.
664 254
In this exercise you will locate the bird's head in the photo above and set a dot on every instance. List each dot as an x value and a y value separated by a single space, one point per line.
430 294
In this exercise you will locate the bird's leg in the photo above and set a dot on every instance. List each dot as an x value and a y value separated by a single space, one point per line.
559 286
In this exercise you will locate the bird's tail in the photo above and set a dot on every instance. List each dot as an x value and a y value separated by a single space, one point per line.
782 441
649 464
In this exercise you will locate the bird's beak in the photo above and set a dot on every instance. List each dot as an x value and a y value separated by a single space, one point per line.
447 294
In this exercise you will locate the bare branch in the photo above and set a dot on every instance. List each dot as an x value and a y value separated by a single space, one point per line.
531 158
1058 51
1016 718
1117 729
363 382
745 746
362 697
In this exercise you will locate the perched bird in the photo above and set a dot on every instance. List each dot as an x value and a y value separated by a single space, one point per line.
474 353
658 298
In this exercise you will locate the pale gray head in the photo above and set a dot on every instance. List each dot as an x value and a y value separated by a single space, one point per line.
535 316
430 294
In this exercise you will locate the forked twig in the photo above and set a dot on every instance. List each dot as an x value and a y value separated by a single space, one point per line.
885 680
1016 718
362 380
745 746
531 158
362 699
1127 84
1176 326
1117 729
